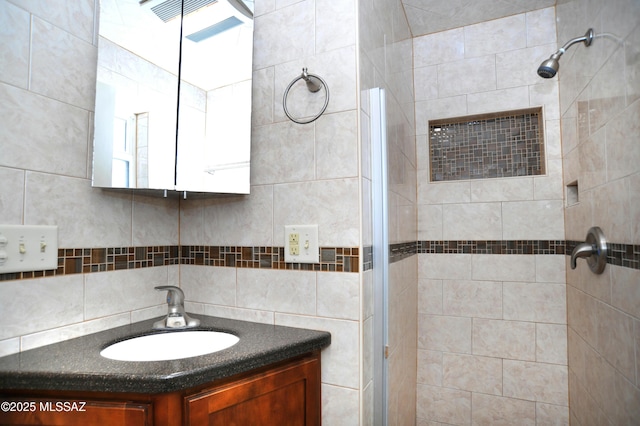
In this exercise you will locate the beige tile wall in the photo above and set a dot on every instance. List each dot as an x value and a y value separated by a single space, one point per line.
40 160
491 335
491 328
301 174
599 94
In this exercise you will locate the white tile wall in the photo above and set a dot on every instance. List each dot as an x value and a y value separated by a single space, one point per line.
483 220
340 361
497 410
444 405
477 299
214 285
57 145
315 203
474 373
123 291
337 405
47 308
536 382
74 81
15 64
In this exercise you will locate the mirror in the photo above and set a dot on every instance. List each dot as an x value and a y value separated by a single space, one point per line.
173 95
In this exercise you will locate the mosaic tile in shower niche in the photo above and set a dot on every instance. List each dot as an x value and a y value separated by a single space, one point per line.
496 145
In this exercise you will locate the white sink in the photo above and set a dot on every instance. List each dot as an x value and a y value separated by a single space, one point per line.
168 346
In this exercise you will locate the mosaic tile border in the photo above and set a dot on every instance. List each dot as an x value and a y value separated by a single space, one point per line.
367 258
397 252
88 260
400 251
337 259
493 247
625 255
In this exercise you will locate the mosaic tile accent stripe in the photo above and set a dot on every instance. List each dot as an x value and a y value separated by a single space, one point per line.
400 251
493 247
367 258
397 252
487 146
625 255
338 259
88 260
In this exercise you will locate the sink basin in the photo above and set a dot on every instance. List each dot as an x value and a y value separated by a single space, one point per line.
168 346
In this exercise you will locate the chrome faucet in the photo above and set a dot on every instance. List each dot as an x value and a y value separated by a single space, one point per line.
176 317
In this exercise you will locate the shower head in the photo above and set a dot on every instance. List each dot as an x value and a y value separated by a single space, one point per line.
549 68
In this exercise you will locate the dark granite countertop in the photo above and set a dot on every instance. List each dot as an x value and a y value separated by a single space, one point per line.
77 365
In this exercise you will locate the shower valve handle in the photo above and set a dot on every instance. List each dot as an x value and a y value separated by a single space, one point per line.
594 249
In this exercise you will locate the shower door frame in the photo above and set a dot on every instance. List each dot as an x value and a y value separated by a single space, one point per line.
380 220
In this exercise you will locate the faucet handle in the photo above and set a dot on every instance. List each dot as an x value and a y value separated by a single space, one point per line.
177 317
167 287
175 295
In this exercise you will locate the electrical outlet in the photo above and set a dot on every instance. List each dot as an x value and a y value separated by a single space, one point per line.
294 244
301 244
294 247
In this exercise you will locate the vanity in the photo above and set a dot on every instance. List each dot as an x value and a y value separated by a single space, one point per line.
271 376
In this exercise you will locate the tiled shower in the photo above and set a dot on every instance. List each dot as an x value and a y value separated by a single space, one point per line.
507 333
492 315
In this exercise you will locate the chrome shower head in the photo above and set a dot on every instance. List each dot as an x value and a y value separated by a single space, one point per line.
549 68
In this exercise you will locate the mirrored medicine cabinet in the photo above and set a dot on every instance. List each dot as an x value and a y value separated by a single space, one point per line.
173 96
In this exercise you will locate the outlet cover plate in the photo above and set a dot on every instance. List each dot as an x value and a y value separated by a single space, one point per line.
308 250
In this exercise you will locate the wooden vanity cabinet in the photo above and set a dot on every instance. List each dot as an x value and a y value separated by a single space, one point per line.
54 411
283 394
287 395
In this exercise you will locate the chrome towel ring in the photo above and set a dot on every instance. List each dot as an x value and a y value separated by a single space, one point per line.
314 83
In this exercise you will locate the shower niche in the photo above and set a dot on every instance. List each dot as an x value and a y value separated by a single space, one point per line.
495 145
173 96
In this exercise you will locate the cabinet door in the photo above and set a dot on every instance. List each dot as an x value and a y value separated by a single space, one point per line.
68 412
285 396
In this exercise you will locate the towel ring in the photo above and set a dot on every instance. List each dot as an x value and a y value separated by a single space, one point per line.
314 83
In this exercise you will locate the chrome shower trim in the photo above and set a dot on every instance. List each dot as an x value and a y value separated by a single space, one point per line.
549 67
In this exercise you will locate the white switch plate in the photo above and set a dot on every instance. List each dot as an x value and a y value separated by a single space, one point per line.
28 248
307 248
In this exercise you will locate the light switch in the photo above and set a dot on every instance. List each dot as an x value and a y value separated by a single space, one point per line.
301 244
28 248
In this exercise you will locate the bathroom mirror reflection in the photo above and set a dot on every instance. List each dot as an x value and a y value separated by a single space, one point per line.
172 112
